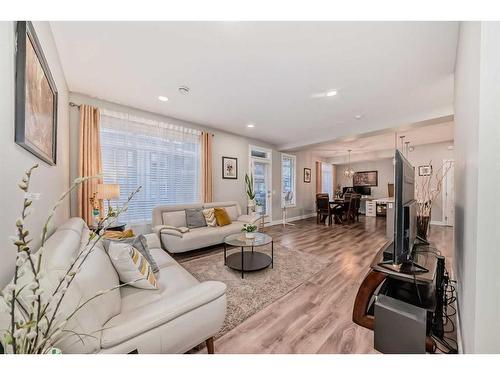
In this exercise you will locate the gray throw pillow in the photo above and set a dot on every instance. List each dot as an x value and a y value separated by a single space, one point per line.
195 218
140 243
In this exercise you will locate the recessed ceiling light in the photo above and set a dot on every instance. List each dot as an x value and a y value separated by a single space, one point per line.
357 117
250 126
163 98
331 93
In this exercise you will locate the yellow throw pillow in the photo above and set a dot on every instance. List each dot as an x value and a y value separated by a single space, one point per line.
222 217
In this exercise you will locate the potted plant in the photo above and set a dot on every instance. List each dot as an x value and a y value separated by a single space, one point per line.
338 191
249 230
36 319
427 189
250 191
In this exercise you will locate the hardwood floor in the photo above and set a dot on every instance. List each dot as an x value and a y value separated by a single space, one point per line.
316 316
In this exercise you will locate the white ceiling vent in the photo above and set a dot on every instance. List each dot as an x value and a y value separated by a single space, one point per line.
184 90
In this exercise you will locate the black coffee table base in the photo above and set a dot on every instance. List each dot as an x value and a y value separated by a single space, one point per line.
248 261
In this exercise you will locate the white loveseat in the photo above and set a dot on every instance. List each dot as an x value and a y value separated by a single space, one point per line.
196 238
181 314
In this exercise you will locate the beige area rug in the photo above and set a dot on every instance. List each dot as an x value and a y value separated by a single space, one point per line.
258 289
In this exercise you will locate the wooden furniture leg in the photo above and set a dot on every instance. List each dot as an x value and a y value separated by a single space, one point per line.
365 292
210 345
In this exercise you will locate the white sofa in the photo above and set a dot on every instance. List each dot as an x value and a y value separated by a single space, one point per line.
181 314
196 238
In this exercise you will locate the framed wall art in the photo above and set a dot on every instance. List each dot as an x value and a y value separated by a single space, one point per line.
307 175
229 168
367 178
425 170
36 97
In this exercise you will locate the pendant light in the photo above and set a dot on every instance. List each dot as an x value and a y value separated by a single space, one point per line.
349 172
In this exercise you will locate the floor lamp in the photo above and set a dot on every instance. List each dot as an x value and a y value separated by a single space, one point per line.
288 198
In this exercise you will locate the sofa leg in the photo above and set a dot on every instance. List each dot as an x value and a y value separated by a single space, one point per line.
210 345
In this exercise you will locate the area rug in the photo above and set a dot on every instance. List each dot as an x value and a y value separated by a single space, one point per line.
258 289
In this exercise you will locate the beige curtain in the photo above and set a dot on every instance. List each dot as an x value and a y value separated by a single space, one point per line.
89 160
206 167
319 178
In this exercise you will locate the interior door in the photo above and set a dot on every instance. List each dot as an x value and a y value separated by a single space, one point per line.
449 195
262 185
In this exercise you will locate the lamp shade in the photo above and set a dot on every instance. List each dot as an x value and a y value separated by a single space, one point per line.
108 191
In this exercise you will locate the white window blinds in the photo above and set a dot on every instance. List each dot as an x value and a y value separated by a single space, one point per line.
164 159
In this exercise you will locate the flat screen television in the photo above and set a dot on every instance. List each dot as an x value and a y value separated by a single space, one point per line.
405 221
363 190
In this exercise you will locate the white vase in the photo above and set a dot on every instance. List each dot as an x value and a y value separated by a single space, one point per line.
250 235
251 205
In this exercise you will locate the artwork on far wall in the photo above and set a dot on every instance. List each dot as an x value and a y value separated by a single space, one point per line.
36 97
307 175
425 170
229 168
366 178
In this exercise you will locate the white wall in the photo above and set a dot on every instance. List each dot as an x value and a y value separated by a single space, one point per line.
224 144
14 160
477 177
385 170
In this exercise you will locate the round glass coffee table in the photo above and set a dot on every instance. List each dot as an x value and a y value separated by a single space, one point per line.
248 260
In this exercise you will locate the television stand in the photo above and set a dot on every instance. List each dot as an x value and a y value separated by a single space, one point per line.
384 277
409 268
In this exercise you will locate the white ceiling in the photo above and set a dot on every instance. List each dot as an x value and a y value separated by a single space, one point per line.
382 145
268 73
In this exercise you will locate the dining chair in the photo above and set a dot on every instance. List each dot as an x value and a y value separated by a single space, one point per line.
323 211
352 213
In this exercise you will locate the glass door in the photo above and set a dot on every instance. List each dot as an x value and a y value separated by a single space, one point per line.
261 168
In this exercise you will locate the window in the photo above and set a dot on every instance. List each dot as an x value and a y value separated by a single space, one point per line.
327 178
164 159
288 171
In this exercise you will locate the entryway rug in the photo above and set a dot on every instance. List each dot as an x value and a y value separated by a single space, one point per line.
258 289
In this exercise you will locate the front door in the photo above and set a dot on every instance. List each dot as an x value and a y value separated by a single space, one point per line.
261 168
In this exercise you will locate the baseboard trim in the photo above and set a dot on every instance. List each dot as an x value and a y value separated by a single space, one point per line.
295 218
440 223
460 347
459 330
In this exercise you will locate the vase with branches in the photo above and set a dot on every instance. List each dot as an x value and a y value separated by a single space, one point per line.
427 189
36 317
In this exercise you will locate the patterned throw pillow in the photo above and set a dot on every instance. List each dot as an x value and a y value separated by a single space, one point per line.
209 214
132 266
222 217
140 243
